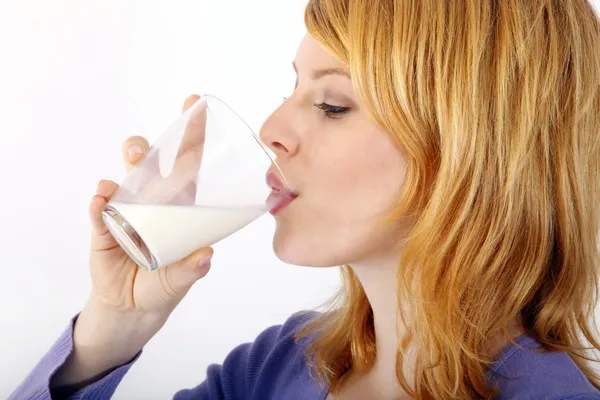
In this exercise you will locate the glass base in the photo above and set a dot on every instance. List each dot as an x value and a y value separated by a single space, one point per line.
128 239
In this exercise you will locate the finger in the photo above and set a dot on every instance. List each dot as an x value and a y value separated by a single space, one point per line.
135 147
196 126
189 154
189 101
181 275
105 190
133 150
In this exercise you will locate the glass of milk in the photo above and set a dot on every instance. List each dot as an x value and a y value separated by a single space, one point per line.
207 176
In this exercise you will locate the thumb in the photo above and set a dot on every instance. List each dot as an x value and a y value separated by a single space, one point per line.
180 276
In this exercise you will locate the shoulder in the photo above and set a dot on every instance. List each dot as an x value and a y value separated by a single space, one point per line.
272 366
527 371
291 326
277 341
278 344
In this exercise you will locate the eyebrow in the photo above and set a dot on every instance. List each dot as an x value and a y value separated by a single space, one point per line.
320 73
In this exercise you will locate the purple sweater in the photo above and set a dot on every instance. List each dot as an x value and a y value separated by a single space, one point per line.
274 367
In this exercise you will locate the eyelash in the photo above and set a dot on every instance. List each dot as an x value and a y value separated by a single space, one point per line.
330 110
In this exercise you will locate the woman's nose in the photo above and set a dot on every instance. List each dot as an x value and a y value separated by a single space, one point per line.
278 134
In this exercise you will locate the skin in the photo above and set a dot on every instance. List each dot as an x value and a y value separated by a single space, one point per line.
347 173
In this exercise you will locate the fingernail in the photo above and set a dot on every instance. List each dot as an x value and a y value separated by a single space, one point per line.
135 150
204 263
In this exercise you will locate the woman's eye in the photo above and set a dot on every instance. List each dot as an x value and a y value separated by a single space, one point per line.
332 111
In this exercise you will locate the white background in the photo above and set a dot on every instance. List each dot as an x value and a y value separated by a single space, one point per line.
76 79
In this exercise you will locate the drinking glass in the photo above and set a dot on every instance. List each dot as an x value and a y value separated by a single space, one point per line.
207 176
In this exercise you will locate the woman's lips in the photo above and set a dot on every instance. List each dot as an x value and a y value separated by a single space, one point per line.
280 196
280 200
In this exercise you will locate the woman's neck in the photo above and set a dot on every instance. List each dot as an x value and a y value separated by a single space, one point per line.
380 283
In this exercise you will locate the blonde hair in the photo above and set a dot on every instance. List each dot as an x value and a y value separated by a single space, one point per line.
496 104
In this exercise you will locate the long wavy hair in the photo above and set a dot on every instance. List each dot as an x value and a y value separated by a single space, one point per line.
496 104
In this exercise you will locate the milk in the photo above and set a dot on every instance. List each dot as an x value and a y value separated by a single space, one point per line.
172 232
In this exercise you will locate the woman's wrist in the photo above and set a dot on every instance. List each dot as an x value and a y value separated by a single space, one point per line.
103 339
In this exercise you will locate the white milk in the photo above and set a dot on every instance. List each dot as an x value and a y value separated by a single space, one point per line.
172 232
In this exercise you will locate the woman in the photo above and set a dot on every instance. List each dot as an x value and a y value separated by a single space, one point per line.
447 154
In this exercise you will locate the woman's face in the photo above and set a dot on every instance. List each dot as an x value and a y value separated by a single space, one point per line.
346 171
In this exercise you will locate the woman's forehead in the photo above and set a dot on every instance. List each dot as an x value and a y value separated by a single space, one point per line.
311 55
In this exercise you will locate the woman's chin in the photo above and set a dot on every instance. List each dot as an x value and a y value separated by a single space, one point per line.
301 254
305 247
285 250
